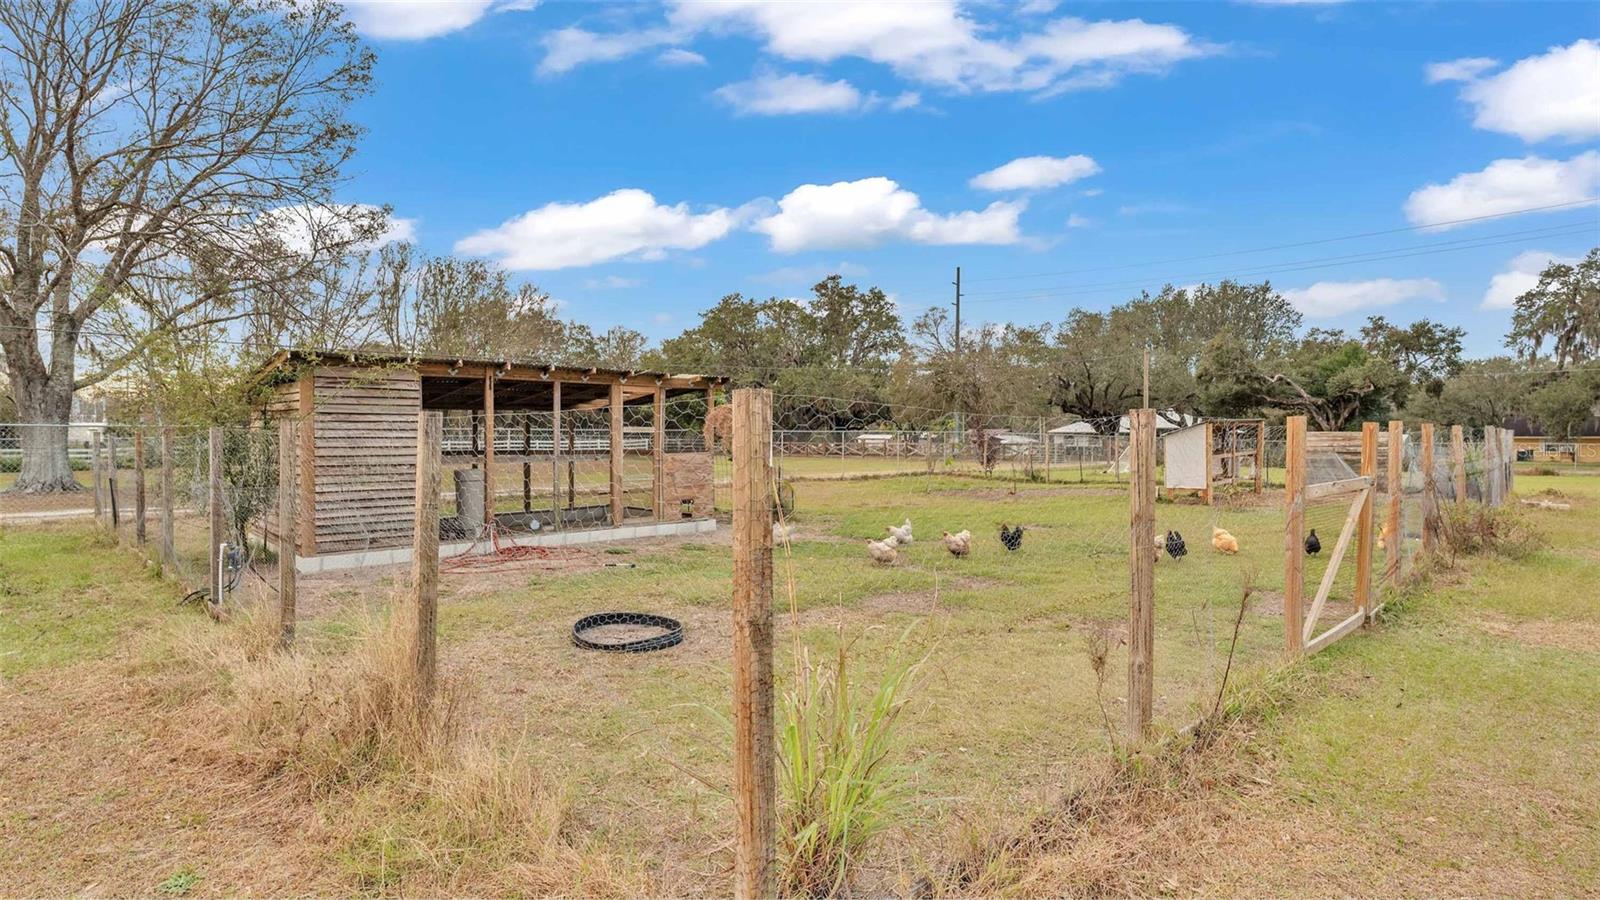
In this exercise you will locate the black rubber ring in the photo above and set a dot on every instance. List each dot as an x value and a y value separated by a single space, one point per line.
672 637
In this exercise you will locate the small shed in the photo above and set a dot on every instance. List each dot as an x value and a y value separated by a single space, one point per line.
533 454
1213 453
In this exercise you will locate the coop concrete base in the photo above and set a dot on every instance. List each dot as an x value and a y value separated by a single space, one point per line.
358 559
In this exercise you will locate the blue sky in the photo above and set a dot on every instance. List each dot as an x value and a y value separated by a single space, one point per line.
638 162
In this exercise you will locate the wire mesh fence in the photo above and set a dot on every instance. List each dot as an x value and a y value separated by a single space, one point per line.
1003 545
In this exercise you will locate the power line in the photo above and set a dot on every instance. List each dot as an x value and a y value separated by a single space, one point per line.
1299 265
1329 240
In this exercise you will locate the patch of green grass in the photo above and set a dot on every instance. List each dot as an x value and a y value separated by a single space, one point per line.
180 882
67 593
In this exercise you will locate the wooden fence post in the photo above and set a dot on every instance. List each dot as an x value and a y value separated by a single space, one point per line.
169 554
1509 450
219 527
1294 553
1430 489
1369 469
138 486
1142 563
1394 559
111 481
753 737
1458 462
99 481
1486 465
287 530
425 554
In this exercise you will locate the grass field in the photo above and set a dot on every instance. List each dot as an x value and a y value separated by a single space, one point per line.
1449 744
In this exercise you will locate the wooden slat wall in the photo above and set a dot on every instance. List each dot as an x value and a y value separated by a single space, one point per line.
1347 444
366 434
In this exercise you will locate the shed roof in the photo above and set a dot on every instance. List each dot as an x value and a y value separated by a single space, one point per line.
457 382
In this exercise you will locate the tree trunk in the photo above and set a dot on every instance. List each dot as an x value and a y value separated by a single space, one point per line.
44 407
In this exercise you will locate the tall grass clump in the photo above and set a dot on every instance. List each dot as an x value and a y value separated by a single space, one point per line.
840 785
1476 529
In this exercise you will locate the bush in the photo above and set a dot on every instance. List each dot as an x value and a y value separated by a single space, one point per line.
1475 529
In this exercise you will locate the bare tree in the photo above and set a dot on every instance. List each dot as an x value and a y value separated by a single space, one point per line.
172 160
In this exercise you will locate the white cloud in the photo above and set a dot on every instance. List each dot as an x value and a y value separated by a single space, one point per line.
305 228
1506 186
1092 192
677 56
1520 276
628 223
567 48
1035 172
874 210
1554 95
780 95
906 100
1077 221
777 95
932 42
415 20
610 283
1334 298
1465 69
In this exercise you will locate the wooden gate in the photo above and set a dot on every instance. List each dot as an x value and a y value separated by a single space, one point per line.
1300 624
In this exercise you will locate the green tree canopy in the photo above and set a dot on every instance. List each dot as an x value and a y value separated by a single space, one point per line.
1561 311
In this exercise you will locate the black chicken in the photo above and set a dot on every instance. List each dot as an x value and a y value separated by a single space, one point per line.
1011 538
1175 545
1313 543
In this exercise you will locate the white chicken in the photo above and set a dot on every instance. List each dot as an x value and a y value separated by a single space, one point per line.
781 532
883 552
901 534
959 544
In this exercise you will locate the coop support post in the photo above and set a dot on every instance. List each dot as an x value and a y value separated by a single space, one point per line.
1210 457
1294 538
555 455
425 554
527 462
169 556
709 440
286 533
1142 562
753 737
1430 490
219 526
1369 469
616 454
1261 455
138 487
658 454
488 449
1393 546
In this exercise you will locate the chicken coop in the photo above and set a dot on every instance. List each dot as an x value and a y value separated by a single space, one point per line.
1218 454
532 455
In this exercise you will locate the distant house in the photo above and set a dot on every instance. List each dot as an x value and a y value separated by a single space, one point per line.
1533 445
1083 435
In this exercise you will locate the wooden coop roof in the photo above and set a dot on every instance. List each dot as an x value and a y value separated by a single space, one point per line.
458 383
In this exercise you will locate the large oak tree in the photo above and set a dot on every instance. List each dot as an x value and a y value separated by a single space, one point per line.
169 161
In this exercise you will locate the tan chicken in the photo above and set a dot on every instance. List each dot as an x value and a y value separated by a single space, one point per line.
1383 537
1224 542
900 535
959 544
882 552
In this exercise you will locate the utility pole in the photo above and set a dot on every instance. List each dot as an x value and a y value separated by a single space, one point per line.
961 419
958 312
